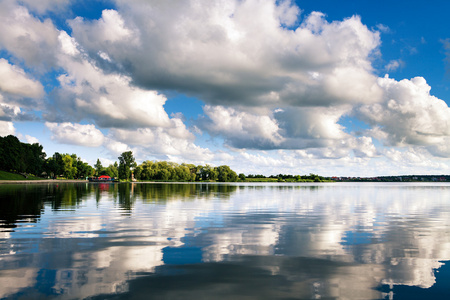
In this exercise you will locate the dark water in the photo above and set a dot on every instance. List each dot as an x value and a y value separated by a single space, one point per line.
213 241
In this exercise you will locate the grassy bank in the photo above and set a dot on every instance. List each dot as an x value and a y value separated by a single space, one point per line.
12 176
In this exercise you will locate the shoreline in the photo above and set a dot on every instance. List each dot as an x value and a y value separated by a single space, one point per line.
43 181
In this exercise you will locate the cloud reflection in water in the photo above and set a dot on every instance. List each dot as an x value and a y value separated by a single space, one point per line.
189 240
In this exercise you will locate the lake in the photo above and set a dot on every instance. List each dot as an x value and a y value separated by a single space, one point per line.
225 241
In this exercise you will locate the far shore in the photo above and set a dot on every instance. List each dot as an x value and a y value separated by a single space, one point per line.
43 181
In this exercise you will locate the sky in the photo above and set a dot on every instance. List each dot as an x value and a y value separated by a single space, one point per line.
338 88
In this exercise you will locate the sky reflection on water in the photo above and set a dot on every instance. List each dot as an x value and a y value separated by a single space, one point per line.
257 241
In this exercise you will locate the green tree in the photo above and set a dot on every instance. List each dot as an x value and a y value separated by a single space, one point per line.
242 176
163 174
83 168
99 168
69 170
113 170
54 165
126 163
138 172
11 154
225 174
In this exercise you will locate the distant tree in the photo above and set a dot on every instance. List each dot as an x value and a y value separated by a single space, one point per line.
148 172
83 168
69 170
11 154
126 163
59 165
33 158
225 174
113 170
242 176
138 172
163 174
98 167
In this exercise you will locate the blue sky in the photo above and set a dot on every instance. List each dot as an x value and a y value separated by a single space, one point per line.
348 88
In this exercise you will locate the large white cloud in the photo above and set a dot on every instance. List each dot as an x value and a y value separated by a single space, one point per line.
235 60
409 115
76 134
216 51
109 100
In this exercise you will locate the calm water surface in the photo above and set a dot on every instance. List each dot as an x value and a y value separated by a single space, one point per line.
225 241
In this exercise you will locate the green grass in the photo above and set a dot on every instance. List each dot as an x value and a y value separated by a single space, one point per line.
11 176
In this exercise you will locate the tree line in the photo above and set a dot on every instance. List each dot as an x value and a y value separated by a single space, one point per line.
23 158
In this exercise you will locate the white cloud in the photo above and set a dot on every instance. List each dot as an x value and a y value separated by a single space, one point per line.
409 115
76 134
318 64
383 28
15 82
6 128
234 59
110 28
109 100
242 129
26 37
175 141
116 148
394 65
31 139
415 159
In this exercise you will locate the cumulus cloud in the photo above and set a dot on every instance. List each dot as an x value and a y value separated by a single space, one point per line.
234 59
409 115
241 129
174 141
26 37
6 128
109 100
312 71
116 148
15 82
76 134
18 90
110 28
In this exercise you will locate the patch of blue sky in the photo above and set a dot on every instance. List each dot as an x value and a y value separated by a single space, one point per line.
6 55
91 9
50 80
190 107
353 125
87 9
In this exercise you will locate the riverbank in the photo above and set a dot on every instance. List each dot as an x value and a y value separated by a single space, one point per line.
42 181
